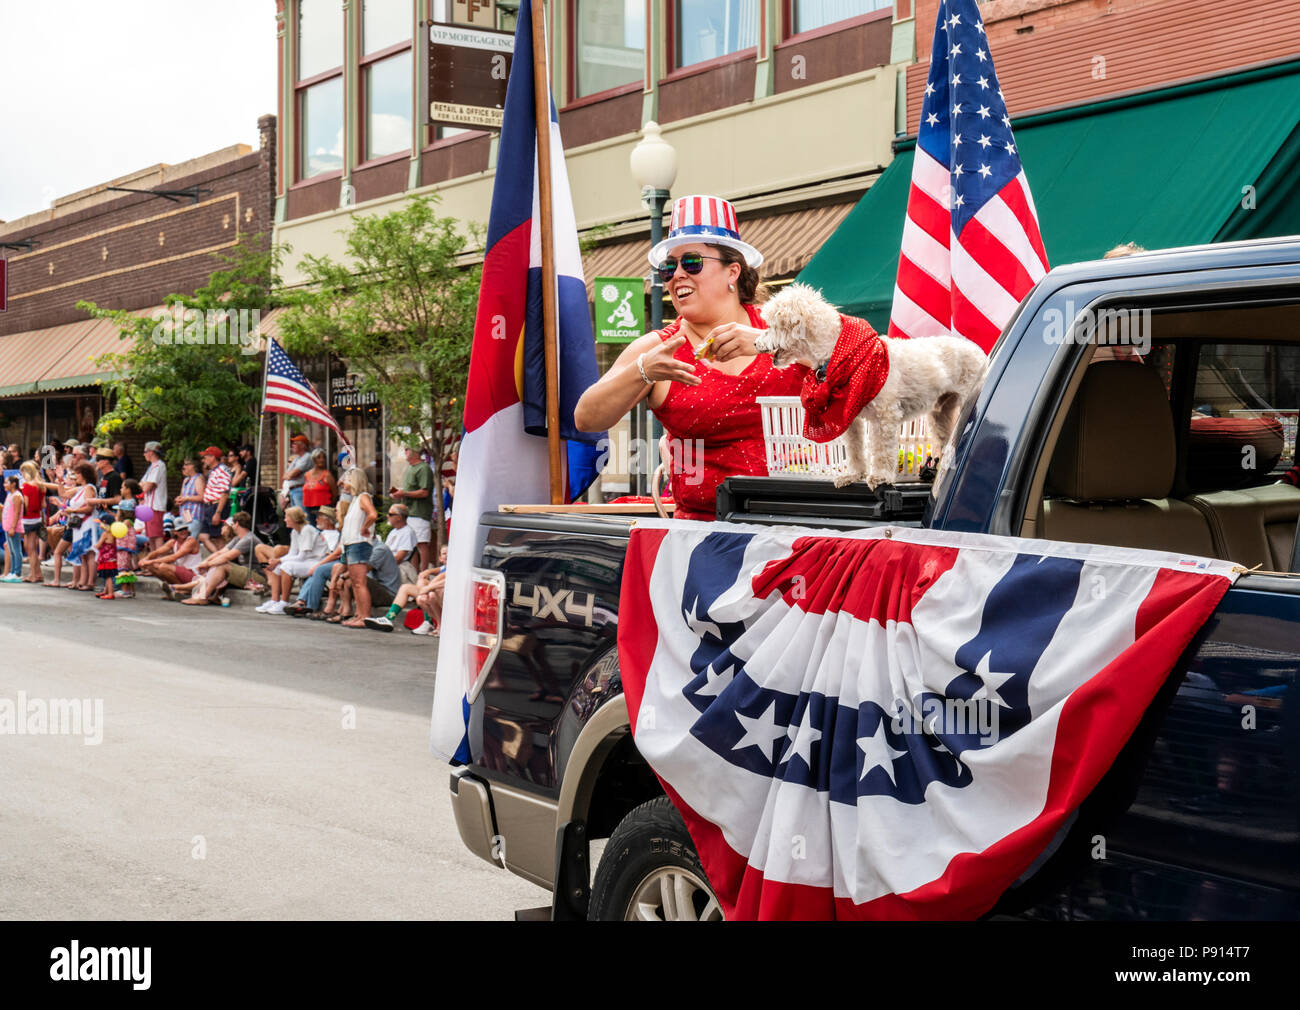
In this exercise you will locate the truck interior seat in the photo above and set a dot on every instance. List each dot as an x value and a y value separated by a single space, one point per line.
1113 467
1253 526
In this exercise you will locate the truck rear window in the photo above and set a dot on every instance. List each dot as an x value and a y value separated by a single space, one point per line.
1245 404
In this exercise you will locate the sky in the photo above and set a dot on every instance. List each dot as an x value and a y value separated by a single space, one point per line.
92 90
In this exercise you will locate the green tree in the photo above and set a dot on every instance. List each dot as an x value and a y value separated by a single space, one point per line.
170 378
400 313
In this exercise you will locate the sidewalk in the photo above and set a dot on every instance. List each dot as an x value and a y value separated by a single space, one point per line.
151 588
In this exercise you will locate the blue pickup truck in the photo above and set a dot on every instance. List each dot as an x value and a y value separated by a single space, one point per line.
1148 401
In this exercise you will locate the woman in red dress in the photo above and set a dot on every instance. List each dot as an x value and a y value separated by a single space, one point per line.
700 374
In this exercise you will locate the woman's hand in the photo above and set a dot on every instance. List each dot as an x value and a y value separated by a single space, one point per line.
733 340
661 366
621 388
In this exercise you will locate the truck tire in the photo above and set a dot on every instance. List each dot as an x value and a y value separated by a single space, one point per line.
651 872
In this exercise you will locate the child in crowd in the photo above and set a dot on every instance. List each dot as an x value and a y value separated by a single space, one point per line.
107 557
11 520
128 545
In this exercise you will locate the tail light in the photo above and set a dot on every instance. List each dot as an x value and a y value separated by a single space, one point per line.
483 626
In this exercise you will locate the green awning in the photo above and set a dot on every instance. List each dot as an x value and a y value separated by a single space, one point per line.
1170 167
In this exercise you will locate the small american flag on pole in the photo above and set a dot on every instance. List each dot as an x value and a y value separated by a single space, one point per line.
288 391
971 246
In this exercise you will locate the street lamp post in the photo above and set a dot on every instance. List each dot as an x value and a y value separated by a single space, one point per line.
654 167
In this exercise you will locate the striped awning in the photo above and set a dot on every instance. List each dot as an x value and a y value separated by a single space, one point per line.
60 357
787 242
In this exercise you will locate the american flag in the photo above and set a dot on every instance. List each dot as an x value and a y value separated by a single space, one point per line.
971 246
889 723
289 392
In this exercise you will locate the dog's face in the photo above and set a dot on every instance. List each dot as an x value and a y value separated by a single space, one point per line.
802 326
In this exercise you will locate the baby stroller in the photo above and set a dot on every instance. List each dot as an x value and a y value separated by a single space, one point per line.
267 516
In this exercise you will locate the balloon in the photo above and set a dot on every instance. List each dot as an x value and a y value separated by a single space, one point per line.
118 530
144 513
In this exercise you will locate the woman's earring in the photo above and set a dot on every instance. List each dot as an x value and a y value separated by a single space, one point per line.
731 287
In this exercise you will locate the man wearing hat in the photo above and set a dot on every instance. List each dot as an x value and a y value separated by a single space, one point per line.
153 493
110 481
216 495
695 373
299 464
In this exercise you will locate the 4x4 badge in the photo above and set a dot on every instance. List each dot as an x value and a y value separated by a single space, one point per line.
561 605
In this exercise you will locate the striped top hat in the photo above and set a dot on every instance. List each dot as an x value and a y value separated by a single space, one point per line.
707 219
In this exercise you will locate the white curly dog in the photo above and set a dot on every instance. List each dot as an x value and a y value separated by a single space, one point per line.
934 375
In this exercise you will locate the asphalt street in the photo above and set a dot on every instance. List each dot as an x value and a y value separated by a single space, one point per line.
251 767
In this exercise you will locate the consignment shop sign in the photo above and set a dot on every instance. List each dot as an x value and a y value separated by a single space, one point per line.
468 71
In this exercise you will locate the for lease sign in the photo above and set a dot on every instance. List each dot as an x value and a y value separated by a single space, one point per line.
468 71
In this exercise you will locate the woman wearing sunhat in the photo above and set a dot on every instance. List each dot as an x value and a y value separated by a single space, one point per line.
700 374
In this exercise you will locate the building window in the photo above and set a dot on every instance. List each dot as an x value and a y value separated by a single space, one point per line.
320 119
610 47
387 79
707 29
319 91
388 105
385 23
320 37
810 14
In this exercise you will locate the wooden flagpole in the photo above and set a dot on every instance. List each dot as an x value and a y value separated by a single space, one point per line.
542 105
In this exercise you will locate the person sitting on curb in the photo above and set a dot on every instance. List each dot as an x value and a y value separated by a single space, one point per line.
305 548
401 541
173 563
230 565
317 576
338 603
427 592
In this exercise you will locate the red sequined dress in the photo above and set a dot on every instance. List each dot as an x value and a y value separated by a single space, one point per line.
715 429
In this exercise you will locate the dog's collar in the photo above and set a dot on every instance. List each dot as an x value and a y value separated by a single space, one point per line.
820 372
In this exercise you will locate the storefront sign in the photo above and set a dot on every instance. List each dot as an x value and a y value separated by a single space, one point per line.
468 71
344 393
620 309
475 12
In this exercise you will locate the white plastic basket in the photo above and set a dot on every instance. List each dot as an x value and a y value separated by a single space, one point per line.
789 454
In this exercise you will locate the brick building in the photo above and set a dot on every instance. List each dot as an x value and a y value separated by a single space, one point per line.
123 251
784 107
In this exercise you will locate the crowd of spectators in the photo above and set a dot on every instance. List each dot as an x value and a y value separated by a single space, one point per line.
80 507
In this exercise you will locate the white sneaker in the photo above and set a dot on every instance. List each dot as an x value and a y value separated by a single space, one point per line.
276 608
264 608
424 629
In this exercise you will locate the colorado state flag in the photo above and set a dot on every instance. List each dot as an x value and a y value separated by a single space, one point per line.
501 459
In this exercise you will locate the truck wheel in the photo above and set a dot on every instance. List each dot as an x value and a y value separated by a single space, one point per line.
650 871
